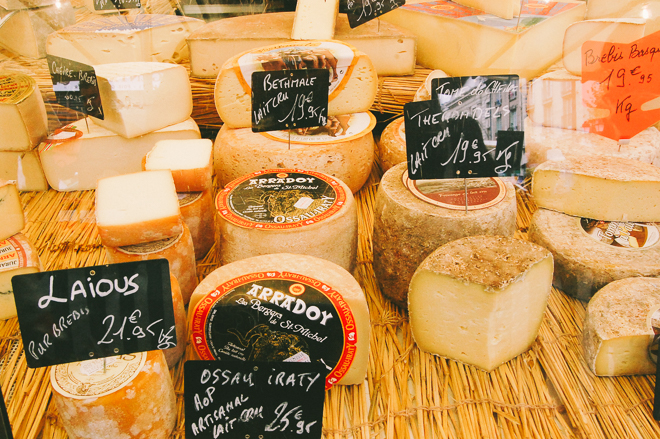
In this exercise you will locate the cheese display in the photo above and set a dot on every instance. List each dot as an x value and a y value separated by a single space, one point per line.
575 186
17 256
12 5
141 97
344 148
133 398
463 41
23 120
11 210
506 9
480 300
424 92
173 355
390 48
75 156
283 307
191 162
408 228
617 327
287 210
392 144
589 253
198 213
315 19
125 38
137 208
353 80
24 168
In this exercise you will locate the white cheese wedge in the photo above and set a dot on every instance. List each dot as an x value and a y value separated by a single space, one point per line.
12 5
125 38
402 217
17 256
610 9
191 163
11 210
506 9
599 187
315 19
480 300
198 213
23 119
424 92
173 355
617 327
24 168
392 144
74 158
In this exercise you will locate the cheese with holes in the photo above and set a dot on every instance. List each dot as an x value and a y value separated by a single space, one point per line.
141 97
424 92
191 162
75 157
392 144
23 119
309 309
599 187
17 256
353 80
506 9
344 148
12 5
617 327
11 210
137 208
423 225
480 300
287 210
125 38
315 19
24 168
133 398
198 213
173 355
589 253
390 48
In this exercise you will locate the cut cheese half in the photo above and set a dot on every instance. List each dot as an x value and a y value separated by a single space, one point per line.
24 168
315 19
17 256
11 210
506 9
191 162
198 213
23 119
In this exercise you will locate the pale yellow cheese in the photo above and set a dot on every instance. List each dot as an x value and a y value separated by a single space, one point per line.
315 19
17 256
506 9
11 210
610 8
198 213
24 168
191 162
23 119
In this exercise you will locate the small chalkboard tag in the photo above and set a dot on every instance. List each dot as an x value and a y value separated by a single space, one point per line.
289 99
249 399
101 311
111 5
75 86
5 427
361 11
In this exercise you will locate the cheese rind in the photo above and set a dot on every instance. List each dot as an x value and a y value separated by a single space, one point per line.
315 19
19 257
23 167
23 119
198 213
392 144
191 162
173 355
11 210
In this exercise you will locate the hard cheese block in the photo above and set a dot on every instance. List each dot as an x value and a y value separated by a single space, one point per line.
133 398
173 355
191 162
11 210
322 298
589 254
344 149
125 38
23 119
390 48
392 144
611 9
74 157
617 327
599 187
24 168
198 213
315 19
141 97
506 9
407 229
480 300
353 80
12 5
17 256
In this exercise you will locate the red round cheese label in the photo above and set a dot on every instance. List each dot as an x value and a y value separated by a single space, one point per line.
15 252
273 317
15 87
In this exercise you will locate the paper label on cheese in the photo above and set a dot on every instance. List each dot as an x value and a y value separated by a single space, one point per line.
626 235
125 23
276 316
150 247
339 129
186 198
15 88
14 253
280 199
88 379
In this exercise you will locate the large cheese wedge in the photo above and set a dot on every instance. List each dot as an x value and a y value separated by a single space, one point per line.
617 327
392 144
390 48
141 97
24 168
287 210
426 223
424 92
133 398
173 355
11 210
589 254
480 300
353 80
599 187
125 38
23 119
611 9
315 19
283 307
463 42
191 162
506 9
17 256
137 208
343 149
198 213
12 5
75 156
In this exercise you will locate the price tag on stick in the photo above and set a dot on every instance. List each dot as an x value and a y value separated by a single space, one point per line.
362 11
101 311
75 86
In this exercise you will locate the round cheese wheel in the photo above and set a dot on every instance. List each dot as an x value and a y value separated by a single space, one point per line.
392 144
19 256
407 229
287 210
133 398
198 214
283 307
589 254
173 355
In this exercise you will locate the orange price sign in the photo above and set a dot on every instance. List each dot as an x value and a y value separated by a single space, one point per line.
622 78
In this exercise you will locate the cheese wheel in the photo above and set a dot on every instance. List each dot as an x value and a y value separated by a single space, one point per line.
17 256
11 210
283 307
198 213
343 149
133 398
287 210
23 119
173 355
589 254
407 229
191 162
392 144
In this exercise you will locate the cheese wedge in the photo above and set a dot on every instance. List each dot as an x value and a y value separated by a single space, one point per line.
506 9
11 210
191 163
315 19
23 119
24 168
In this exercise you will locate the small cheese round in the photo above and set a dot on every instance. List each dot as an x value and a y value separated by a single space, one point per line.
19 256
198 213
173 355
392 144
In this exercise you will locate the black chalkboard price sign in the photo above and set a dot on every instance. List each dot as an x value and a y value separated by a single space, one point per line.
289 99
111 5
240 399
5 426
75 86
91 312
361 11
